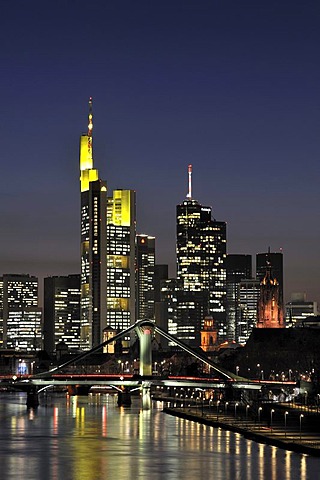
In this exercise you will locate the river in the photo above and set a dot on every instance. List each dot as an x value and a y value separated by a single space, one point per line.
92 439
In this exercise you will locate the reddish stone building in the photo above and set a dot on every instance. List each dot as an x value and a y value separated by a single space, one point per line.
209 335
270 312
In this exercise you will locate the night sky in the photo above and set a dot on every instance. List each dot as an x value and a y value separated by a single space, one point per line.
231 87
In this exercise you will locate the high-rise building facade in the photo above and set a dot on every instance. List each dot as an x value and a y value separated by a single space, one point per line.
249 293
93 245
121 234
168 297
145 277
201 269
162 303
239 267
22 317
61 315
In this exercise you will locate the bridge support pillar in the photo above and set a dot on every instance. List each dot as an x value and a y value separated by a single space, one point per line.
144 331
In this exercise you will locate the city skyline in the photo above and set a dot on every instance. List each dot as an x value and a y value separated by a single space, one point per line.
232 91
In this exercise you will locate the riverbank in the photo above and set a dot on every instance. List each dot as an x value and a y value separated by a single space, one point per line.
305 442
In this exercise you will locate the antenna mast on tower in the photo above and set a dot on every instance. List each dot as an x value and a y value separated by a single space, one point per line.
189 182
90 127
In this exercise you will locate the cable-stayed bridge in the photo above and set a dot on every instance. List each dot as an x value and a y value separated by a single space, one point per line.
219 377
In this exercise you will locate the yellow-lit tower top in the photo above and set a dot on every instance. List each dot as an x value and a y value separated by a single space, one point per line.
87 172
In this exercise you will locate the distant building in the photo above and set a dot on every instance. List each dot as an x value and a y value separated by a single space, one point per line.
160 274
238 267
169 298
145 277
201 269
274 261
21 315
310 322
209 335
298 309
270 311
249 294
162 303
61 313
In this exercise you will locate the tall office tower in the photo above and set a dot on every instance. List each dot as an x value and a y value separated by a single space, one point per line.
160 305
239 267
121 235
145 276
249 298
93 245
61 312
298 309
275 261
22 329
168 296
201 270
270 311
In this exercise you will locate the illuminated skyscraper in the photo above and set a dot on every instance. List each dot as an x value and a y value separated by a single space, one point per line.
121 233
249 297
201 270
61 312
93 245
168 297
145 277
22 328
239 267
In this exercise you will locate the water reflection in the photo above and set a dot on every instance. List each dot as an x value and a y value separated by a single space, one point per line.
91 438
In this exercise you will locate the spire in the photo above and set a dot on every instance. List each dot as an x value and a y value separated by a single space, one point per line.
190 182
90 127
88 172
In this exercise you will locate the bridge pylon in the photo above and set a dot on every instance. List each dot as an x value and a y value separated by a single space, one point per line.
145 331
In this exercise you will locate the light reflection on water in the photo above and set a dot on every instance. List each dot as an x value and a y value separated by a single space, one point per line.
93 439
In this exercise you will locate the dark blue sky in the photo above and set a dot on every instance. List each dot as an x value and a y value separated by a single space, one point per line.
229 86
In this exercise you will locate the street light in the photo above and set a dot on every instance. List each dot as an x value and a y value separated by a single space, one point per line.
271 412
235 410
285 424
226 408
218 403
259 413
247 408
301 417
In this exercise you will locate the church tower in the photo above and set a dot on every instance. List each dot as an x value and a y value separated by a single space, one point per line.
270 314
209 335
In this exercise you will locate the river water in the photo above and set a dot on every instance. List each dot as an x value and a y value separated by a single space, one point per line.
92 439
